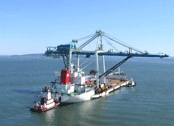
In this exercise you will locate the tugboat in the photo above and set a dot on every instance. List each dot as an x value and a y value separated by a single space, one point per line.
46 102
131 83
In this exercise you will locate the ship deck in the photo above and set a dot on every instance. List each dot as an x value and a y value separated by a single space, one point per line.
112 84
116 81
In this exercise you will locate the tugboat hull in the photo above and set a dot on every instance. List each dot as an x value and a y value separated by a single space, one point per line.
42 109
46 102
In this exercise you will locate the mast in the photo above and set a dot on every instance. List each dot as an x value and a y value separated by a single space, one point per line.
101 47
97 65
97 71
70 56
78 61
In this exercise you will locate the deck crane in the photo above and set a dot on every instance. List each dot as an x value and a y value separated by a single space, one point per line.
67 50
114 67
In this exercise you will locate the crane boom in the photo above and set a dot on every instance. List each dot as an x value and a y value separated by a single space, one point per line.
87 42
114 67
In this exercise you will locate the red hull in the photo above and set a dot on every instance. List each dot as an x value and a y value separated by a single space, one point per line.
39 109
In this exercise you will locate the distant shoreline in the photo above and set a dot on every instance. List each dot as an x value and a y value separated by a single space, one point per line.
24 54
42 55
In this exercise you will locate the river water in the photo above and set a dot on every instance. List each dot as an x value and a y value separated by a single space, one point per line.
149 103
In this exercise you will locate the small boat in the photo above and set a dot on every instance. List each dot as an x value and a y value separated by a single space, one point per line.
46 102
118 75
131 83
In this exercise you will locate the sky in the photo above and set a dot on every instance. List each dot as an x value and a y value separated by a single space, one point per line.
29 26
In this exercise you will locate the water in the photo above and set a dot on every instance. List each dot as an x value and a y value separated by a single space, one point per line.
149 103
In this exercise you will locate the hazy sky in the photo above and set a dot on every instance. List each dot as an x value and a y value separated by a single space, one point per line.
28 26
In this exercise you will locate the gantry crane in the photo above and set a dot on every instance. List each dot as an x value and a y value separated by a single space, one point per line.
67 50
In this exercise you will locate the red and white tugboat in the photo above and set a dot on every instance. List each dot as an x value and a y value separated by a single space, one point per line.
46 102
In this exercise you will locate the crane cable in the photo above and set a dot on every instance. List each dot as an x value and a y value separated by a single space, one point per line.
84 62
88 64
85 37
80 39
111 44
123 44
88 41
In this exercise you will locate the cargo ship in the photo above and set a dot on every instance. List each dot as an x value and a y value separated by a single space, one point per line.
78 86
73 85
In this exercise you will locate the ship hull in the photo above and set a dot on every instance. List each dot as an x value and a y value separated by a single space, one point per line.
37 109
74 97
